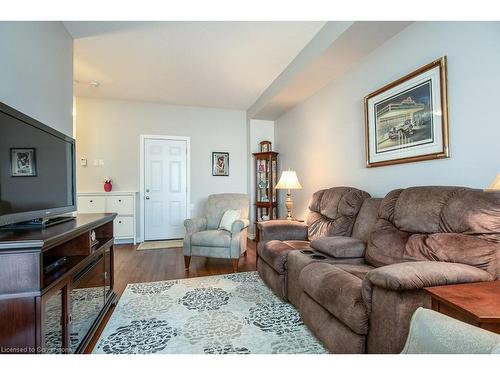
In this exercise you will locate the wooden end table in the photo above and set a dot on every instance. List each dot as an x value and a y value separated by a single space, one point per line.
476 303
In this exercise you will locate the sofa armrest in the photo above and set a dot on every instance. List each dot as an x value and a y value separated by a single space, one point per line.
239 225
194 225
282 230
419 275
340 246
414 276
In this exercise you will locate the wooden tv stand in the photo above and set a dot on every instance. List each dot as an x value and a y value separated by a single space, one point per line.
60 311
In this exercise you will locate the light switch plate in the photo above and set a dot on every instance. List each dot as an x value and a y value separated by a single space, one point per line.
83 162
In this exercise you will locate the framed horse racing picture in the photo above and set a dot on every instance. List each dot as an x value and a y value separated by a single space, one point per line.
407 120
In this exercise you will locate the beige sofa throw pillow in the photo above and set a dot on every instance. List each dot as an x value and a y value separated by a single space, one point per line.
229 217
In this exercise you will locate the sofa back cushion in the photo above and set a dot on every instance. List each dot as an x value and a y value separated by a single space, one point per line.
366 219
438 223
332 212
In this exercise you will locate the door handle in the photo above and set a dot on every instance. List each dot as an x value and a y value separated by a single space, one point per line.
147 197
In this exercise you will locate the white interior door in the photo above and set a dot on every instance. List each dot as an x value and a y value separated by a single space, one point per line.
165 188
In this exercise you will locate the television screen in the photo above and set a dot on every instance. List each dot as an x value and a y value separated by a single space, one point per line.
36 169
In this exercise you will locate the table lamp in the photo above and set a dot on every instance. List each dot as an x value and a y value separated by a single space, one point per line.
288 181
495 185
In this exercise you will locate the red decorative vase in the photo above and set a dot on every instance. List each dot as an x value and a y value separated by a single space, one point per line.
107 187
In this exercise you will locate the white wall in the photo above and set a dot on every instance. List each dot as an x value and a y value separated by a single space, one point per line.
36 71
260 130
323 138
110 130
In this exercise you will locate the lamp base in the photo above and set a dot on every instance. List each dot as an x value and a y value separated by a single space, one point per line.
289 205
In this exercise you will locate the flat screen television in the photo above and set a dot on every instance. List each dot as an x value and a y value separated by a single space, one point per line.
37 169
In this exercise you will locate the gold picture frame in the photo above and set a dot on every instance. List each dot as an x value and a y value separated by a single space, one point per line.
407 120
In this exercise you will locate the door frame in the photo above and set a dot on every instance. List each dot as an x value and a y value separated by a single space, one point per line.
142 140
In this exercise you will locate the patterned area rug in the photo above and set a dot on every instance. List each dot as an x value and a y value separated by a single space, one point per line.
227 314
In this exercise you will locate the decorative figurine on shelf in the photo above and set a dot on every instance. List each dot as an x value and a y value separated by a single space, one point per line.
265 146
107 184
264 198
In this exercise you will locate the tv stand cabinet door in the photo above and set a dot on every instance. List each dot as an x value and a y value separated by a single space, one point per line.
54 320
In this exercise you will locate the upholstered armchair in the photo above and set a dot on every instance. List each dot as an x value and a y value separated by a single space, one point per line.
204 238
435 333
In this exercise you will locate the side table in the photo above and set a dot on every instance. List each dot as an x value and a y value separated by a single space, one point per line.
476 303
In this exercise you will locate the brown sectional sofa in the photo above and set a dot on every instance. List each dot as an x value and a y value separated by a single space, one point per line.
422 236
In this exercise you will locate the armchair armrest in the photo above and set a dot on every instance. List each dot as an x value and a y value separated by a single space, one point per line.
282 230
195 225
239 225
418 275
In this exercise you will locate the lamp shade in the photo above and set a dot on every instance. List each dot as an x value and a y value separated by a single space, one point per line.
288 180
495 185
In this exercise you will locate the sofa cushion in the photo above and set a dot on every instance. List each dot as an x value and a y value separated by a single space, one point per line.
337 288
366 219
340 247
333 211
451 224
275 253
211 238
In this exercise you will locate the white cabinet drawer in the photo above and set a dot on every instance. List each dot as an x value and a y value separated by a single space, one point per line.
91 204
124 226
121 204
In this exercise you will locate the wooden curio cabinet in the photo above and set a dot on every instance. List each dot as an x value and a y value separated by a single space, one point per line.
266 178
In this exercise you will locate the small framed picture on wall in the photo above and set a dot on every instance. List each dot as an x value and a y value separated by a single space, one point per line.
220 163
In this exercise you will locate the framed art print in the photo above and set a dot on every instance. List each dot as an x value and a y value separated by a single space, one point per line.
22 162
407 120
220 163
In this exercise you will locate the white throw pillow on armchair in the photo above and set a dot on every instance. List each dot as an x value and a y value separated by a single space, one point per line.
229 217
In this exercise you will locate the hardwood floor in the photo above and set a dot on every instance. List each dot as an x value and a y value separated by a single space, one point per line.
133 266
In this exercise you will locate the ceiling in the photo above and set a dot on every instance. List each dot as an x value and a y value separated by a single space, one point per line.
209 64
337 47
